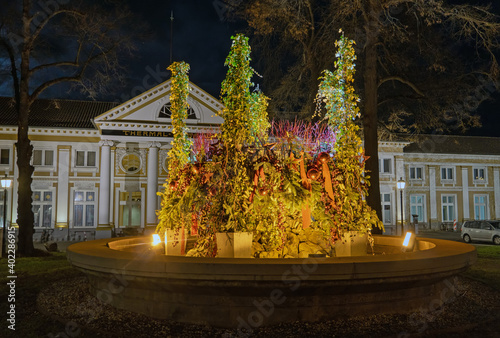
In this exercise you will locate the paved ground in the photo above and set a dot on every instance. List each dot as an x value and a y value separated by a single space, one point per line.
61 246
449 235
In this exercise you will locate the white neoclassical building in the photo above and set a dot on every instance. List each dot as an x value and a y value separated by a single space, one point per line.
99 165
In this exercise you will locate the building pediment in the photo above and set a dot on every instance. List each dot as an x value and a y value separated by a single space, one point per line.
148 114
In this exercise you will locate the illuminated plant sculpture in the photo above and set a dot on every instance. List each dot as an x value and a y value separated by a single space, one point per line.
178 155
297 195
347 209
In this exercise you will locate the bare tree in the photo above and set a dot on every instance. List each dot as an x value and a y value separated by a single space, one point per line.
425 65
49 43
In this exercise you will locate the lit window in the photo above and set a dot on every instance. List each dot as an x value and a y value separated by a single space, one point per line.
479 174
386 208
43 157
85 158
42 208
417 206
448 205
480 207
416 173
84 209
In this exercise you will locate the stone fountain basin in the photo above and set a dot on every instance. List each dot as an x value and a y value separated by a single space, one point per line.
246 292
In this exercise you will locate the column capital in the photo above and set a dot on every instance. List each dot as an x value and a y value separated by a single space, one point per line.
154 144
108 143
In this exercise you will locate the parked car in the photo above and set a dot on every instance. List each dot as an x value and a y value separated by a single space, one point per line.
485 231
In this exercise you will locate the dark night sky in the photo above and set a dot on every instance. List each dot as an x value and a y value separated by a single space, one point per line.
201 37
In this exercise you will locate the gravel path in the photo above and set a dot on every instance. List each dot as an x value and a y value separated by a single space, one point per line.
474 312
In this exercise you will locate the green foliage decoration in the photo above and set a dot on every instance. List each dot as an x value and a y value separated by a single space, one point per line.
348 209
178 155
309 180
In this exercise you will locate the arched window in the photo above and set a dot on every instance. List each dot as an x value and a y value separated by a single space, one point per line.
166 113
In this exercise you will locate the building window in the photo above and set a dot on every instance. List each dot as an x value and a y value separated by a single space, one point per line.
479 174
416 173
43 157
447 174
42 208
84 209
386 208
4 156
448 205
480 207
165 112
417 206
385 165
85 158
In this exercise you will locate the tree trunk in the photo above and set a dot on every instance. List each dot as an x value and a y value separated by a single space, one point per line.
370 119
25 216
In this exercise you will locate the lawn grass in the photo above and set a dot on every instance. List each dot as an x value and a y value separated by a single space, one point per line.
34 274
487 267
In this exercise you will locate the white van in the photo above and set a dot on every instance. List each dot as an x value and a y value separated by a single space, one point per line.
485 231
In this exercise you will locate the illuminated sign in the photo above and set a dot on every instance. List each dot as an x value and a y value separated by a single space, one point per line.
138 133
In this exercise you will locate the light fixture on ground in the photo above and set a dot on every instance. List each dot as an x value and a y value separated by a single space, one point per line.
409 241
5 185
156 239
401 186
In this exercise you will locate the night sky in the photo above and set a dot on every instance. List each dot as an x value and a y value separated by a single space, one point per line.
202 38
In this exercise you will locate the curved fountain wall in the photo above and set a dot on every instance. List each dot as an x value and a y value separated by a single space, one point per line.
245 293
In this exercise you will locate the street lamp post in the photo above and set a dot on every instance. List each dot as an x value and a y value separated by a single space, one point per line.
5 185
401 186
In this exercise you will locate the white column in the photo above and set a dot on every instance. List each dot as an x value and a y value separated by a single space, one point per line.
63 166
465 192
103 228
496 184
152 186
432 193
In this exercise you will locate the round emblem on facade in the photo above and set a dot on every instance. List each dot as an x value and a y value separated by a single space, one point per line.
131 163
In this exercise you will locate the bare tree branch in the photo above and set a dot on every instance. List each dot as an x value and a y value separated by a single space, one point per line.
400 79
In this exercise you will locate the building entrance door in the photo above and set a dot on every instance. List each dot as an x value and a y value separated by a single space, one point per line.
130 209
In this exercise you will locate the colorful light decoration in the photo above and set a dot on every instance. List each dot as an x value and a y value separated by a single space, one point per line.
197 168
313 174
323 157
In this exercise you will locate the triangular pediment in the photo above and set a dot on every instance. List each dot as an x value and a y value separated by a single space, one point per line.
150 111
